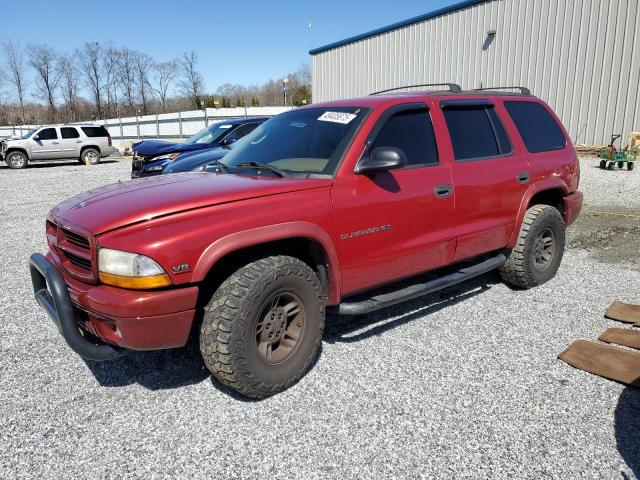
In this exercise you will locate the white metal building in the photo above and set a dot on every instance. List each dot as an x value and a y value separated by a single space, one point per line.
580 56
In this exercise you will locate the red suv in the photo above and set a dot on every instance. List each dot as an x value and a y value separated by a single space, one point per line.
323 206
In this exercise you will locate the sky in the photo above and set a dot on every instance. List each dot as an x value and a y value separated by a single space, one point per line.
245 42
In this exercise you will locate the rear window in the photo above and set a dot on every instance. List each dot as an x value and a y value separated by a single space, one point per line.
69 132
476 132
95 131
538 129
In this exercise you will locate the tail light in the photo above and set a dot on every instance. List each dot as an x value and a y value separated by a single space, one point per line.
109 139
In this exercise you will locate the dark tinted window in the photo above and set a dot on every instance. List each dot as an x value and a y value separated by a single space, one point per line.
476 132
536 126
412 132
240 132
47 134
69 132
95 131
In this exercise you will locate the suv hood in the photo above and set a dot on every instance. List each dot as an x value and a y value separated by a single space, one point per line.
114 206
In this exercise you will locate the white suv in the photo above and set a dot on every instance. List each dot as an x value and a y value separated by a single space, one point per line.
86 143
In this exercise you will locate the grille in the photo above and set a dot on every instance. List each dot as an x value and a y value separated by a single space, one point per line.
78 261
75 239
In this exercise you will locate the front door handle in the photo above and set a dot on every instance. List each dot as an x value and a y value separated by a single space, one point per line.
78 141
442 191
55 143
523 177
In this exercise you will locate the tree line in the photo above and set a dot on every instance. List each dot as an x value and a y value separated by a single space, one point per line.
98 81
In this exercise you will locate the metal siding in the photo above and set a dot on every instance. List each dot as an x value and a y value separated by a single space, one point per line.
580 56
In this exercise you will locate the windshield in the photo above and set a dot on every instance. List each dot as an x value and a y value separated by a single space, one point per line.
310 140
28 134
211 134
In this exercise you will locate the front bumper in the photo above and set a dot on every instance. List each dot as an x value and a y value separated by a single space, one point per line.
100 322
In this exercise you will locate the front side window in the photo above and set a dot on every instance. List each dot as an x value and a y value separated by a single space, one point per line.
240 132
212 133
69 132
47 134
539 131
412 132
476 132
304 141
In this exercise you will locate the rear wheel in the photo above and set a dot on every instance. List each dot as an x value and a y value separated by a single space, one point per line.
536 257
90 156
603 164
16 160
630 165
263 326
620 165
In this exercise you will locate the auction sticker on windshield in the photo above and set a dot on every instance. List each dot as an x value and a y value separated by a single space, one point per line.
337 117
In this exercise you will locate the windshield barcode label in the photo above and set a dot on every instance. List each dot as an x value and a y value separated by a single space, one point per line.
337 117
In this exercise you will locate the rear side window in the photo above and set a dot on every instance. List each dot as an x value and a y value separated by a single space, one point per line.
538 129
47 134
476 132
412 132
95 131
69 132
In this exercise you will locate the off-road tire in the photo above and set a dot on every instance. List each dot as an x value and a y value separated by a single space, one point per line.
90 156
16 165
520 270
630 166
228 342
603 164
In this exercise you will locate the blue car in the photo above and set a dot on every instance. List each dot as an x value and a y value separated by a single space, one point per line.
150 157
206 161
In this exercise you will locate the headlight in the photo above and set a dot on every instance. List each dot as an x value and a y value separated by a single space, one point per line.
155 168
130 270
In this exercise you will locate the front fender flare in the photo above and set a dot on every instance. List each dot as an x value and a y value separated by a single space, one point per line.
282 231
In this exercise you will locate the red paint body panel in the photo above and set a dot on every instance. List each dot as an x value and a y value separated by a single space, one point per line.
372 229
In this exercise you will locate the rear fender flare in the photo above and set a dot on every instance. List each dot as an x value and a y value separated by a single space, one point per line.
257 236
552 183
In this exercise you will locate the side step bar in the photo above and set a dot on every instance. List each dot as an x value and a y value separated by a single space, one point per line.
418 289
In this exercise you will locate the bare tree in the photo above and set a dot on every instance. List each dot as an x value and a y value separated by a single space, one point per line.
44 61
126 76
165 74
110 71
16 77
192 83
69 85
90 58
142 64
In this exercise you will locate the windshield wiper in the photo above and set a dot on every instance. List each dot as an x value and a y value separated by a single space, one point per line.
265 166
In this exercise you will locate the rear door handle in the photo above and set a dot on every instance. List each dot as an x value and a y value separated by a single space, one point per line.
442 191
523 177
78 141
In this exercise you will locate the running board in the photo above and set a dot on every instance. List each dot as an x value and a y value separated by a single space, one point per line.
418 289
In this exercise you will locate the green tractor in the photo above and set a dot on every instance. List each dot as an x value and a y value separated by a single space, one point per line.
610 156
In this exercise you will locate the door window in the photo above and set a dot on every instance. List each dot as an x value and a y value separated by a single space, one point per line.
47 134
240 132
69 132
539 131
476 132
412 132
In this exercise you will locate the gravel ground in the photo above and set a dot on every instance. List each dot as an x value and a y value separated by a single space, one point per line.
462 383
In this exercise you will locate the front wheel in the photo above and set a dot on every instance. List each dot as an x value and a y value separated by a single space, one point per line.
603 164
629 165
263 326
536 257
16 160
90 156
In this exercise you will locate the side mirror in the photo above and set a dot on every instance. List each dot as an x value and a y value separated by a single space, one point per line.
228 141
382 159
36 138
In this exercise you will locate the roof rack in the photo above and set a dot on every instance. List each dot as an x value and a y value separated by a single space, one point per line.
453 87
523 90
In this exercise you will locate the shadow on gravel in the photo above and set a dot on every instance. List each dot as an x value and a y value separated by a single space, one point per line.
155 370
339 328
627 428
